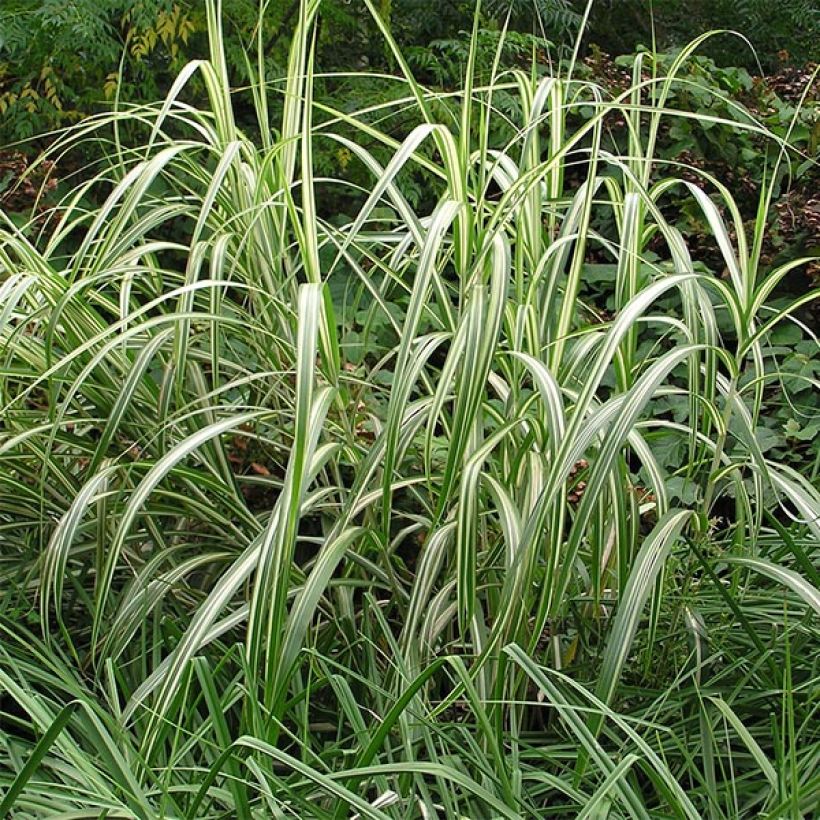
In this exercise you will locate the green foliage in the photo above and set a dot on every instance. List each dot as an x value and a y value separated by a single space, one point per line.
483 499
61 61
545 17
777 32
55 58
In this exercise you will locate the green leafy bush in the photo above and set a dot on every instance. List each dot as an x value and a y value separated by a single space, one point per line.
774 32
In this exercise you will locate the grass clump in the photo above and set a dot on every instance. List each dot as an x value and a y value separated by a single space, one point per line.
378 518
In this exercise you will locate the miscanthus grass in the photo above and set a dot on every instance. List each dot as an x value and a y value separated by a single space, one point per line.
246 574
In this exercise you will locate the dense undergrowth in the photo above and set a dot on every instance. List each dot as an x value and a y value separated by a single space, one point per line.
454 510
